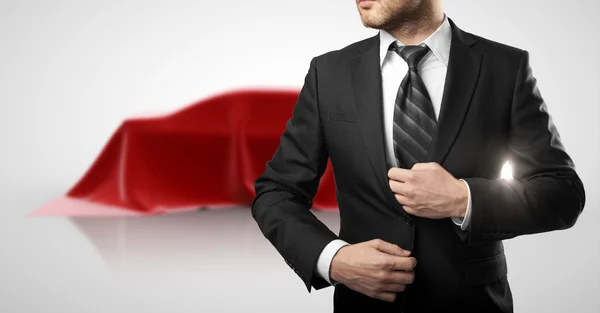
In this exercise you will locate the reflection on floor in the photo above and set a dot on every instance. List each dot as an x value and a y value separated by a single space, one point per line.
181 239
217 251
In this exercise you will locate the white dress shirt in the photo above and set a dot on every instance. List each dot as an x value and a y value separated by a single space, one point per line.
432 69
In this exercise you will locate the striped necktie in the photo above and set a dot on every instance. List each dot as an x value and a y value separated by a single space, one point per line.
414 119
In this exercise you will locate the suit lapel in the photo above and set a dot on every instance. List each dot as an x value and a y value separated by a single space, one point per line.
461 79
365 75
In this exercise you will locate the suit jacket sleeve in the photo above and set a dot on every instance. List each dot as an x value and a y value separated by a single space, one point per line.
285 191
546 193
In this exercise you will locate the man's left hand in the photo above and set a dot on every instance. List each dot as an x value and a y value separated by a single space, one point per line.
428 190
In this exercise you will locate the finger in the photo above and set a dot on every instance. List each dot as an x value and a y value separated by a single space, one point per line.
386 296
400 174
404 200
424 166
390 248
403 263
418 166
402 188
392 287
399 277
410 210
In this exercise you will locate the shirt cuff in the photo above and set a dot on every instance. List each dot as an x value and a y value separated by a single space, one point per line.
324 261
464 222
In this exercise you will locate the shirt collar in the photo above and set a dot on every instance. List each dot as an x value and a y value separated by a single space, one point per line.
438 42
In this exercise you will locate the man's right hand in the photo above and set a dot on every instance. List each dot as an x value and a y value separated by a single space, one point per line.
374 268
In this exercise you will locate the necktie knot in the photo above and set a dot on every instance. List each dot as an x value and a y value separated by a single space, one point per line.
411 54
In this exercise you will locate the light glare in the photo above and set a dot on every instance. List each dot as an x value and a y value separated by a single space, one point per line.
506 171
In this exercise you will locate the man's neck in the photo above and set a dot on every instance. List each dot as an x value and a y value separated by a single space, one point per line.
415 31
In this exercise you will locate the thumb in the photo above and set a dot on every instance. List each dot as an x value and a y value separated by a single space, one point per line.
390 248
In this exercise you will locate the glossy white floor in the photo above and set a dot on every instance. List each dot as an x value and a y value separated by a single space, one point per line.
218 261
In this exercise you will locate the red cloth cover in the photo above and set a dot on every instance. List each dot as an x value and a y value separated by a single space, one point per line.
205 155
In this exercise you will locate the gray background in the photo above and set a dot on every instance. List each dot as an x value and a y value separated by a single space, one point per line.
72 70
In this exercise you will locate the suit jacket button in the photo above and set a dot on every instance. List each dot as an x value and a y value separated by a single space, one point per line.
408 221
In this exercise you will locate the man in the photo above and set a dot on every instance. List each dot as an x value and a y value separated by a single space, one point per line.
417 121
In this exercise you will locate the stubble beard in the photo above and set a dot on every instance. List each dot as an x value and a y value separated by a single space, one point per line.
395 18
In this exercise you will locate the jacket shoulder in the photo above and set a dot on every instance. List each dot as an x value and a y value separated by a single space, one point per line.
497 50
347 52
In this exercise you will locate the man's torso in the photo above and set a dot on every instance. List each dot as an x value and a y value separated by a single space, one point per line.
471 140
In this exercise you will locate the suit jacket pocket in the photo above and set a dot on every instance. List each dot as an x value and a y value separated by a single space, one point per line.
342 116
486 270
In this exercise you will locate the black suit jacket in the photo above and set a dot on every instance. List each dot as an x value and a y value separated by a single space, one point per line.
491 112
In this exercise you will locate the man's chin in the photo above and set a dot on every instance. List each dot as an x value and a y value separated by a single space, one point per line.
371 19
371 24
